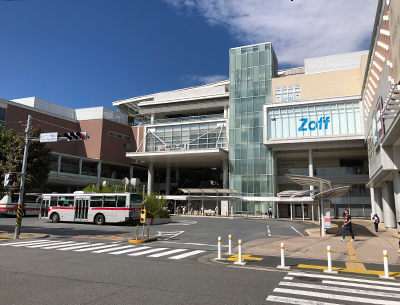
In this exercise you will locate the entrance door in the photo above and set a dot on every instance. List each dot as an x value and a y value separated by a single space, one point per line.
81 210
44 209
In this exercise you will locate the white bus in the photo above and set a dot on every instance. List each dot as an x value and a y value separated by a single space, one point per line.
9 205
91 207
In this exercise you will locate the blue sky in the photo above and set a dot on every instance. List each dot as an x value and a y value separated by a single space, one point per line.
89 53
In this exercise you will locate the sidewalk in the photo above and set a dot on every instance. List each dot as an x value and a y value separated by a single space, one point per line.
367 248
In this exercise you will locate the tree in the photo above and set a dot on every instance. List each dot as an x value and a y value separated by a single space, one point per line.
11 158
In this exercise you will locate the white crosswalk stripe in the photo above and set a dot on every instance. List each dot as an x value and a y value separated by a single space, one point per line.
321 289
113 249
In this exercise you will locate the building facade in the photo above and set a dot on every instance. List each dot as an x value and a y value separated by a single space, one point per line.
76 164
381 105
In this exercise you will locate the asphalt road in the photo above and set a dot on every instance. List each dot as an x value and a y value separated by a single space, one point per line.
84 264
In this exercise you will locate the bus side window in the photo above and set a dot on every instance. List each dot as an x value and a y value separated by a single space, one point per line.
53 201
110 201
121 203
96 201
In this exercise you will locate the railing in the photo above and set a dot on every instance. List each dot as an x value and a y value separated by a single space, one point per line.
325 171
187 119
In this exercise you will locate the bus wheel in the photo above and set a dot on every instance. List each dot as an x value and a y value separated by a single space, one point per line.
99 220
55 217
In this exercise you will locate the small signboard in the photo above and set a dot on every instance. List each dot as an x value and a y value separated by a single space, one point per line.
327 213
172 147
49 137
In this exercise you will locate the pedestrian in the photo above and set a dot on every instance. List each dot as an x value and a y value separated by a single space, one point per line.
376 221
270 212
183 210
347 225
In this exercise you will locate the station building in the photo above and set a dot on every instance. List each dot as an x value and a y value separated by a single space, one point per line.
246 133
381 105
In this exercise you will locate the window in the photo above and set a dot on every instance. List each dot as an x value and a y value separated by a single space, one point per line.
135 198
119 135
126 145
121 203
110 201
53 201
96 201
66 201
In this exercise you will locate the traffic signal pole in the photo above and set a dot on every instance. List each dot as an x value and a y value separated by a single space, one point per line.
23 174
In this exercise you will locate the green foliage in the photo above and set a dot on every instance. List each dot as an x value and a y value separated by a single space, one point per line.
156 207
104 189
11 158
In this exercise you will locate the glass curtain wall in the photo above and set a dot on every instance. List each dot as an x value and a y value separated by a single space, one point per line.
250 162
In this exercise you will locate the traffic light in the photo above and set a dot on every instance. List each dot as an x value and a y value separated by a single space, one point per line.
76 136
8 179
142 216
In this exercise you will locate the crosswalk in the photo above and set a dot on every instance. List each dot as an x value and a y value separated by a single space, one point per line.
112 249
324 289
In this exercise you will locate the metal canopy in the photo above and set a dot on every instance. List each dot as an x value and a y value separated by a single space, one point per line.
306 180
209 191
333 193
292 194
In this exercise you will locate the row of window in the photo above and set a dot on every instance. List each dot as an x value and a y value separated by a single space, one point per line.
118 135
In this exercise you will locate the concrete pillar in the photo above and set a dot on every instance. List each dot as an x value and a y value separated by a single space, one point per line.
152 118
80 166
225 178
226 112
59 165
396 188
130 172
311 174
388 204
373 205
168 180
99 174
150 178
378 203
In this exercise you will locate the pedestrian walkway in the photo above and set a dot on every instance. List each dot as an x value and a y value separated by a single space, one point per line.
367 248
106 248
324 289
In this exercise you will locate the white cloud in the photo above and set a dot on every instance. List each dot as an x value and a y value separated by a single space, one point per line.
195 80
297 29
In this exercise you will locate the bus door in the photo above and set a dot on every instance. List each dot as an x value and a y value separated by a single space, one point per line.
81 209
44 209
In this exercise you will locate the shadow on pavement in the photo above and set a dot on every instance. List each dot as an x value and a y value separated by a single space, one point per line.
358 229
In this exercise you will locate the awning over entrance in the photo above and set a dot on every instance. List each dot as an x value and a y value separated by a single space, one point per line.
209 191
182 158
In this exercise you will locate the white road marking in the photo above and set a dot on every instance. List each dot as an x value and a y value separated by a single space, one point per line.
182 223
288 278
167 253
147 251
129 250
340 289
112 249
169 235
361 285
297 231
24 245
95 248
285 300
340 278
195 244
269 232
60 245
336 296
82 245
23 242
186 254
42 245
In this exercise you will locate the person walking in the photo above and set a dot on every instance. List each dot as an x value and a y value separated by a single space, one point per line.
376 221
347 225
270 212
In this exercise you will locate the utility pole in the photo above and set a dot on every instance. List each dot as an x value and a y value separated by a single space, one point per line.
23 174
